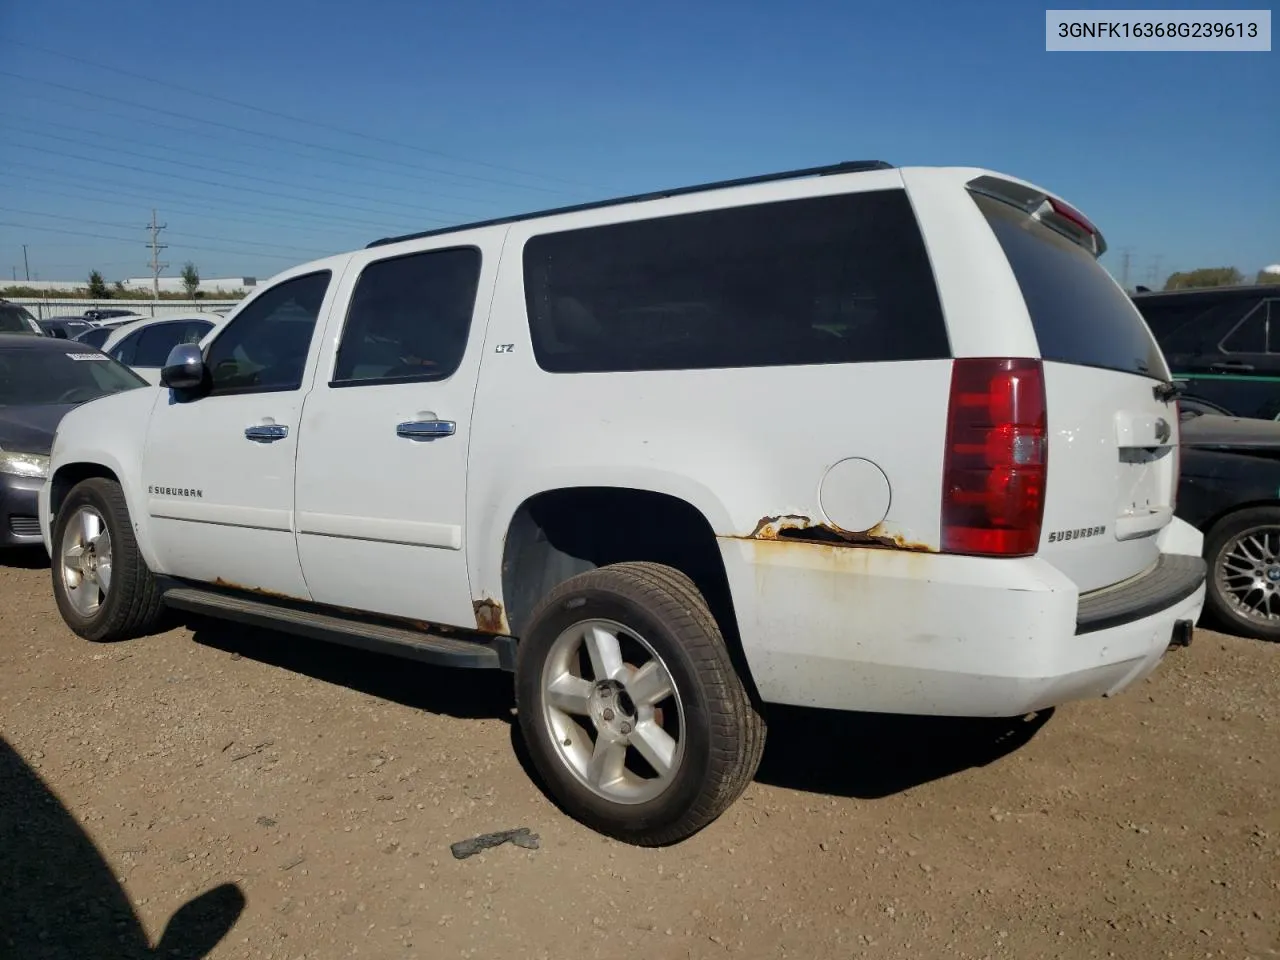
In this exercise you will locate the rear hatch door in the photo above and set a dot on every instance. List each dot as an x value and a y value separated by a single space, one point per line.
1112 420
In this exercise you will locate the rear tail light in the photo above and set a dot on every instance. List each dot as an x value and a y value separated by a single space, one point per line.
996 458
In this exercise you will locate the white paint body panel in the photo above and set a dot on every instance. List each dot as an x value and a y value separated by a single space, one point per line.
381 518
417 529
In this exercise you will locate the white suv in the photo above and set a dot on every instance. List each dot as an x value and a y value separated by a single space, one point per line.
856 437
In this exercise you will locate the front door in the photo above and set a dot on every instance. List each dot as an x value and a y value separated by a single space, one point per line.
219 468
382 458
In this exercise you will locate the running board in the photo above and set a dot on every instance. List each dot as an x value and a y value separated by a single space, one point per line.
481 653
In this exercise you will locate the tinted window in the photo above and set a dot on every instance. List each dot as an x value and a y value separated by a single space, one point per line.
123 351
154 342
70 375
409 318
17 319
1079 313
839 279
1192 326
1258 333
95 337
265 347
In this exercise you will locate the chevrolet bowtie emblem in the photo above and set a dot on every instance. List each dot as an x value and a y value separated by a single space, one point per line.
1163 431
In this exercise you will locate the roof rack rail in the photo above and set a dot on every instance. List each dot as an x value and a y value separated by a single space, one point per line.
848 166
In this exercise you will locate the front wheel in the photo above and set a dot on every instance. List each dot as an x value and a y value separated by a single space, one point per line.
630 705
101 584
1243 554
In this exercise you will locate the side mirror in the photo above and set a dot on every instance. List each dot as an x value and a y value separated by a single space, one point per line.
184 368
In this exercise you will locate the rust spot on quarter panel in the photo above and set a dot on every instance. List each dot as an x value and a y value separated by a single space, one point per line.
490 617
801 529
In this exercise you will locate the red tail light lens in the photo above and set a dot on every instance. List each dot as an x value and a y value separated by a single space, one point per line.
996 458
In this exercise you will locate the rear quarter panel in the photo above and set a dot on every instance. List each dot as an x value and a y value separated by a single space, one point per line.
740 445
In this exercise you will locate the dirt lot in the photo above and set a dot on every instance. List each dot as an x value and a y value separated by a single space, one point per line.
233 794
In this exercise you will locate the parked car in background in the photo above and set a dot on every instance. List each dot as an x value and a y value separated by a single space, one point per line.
94 337
15 318
1224 342
1230 489
144 345
104 314
41 379
65 328
624 452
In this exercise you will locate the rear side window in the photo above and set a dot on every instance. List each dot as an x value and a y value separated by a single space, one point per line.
839 279
1259 332
410 318
1080 315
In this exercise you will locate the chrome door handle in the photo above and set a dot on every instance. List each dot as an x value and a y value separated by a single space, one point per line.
425 429
266 432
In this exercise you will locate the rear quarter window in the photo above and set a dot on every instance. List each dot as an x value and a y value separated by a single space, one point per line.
822 280
1080 315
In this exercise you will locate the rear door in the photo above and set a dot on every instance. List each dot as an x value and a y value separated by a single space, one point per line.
1112 454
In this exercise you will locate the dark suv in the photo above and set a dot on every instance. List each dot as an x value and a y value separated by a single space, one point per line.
1224 342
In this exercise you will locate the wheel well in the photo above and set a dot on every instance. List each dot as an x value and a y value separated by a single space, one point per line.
67 477
1207 525
561 533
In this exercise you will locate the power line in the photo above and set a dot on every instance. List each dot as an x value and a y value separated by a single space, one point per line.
399 191
194 236
418 169
218 208
187 164
285 116
213 183
99 236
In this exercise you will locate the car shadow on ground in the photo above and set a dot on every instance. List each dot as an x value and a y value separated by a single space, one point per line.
819 751
24 558
59 898
467 694
869 755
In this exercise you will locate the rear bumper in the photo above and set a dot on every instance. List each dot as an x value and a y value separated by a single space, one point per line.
19 516
899 632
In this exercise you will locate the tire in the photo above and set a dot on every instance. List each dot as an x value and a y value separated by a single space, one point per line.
716 734
131 603
1253 532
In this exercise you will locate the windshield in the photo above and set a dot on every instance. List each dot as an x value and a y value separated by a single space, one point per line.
32 377
16 319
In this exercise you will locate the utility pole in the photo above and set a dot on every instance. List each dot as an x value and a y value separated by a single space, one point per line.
156 247
1124 267
1155 271
26 268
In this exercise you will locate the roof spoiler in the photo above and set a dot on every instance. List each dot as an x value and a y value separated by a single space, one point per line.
1054 213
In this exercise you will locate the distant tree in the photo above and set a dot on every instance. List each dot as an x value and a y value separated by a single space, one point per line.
97 286
1269 275
118 286
190 279
1204 277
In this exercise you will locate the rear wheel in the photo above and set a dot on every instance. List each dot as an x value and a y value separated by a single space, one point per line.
630 706
101 584
1243 554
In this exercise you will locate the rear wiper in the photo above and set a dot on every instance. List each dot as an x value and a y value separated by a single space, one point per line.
1169 390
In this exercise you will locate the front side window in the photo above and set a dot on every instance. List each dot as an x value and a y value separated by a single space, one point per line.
18 319
822 280
264 349
154 343
410 318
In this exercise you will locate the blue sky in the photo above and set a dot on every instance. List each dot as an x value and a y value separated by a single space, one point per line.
427 113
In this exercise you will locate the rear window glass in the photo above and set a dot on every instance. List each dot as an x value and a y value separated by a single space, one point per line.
839 279
1080 315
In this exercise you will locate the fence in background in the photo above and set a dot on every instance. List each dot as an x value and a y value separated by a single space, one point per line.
44 308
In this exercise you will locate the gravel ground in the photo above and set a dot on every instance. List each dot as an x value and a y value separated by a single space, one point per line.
219 792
